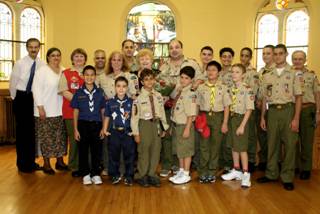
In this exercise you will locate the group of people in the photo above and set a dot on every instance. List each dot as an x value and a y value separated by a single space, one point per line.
122 117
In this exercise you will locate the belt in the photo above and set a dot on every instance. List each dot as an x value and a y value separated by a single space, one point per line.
233 114
120 129
212 113
153 120
280 106
305 105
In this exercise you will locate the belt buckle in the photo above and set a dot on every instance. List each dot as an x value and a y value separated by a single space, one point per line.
210 113
279 106
120 128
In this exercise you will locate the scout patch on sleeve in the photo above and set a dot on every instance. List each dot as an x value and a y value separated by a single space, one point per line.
133 77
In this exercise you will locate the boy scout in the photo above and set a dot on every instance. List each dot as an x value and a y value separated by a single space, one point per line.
183 113
251 78
148 118
267 57
281 88
238 134
169 76
310 113
225 76
214 99
206 56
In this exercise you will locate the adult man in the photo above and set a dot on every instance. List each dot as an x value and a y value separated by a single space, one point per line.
128 49
100 61
20 90
206 56
310 114
282 94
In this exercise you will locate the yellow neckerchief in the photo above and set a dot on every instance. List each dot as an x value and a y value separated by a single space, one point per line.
212 95
234 91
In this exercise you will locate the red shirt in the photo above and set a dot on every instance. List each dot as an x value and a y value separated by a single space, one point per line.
74 83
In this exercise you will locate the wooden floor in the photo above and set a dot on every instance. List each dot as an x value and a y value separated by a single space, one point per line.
40 193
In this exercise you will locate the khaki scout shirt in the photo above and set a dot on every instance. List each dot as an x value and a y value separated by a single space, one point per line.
226 77
242 99
63 83
185 106
221 97
135 65
107 83
142 110
282 89
311 86
251 78
262 72
171 73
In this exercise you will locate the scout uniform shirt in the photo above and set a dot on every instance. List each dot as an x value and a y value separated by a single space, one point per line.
225 76
185 106
119 112
282 89
89 103
262 72
251 78
213 98
311 86
242 99
107 83
143 109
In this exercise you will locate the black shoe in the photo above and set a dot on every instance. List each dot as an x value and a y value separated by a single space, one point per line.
61 167
115 179
264 179
262 166
211 179
153 181
305 175
25 170
203 179
36 167
48 171
128 181
143 181
251 167
288 186
76 174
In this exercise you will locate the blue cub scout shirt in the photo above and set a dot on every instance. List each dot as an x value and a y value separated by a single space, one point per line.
89 103
119 112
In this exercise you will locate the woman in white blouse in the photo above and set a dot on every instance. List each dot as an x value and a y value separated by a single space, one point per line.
49 125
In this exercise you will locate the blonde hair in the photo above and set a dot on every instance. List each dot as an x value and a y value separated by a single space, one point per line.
239 65
144 52
124 67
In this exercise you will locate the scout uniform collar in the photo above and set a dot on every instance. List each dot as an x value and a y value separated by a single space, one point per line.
187 88
114 76
207 83
145 92
84 88
287 68
121 100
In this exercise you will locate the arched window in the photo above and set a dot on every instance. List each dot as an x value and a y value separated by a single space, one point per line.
151 25
6 57
30 26
282 21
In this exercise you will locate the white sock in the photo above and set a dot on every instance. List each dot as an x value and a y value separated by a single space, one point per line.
186 173
181 169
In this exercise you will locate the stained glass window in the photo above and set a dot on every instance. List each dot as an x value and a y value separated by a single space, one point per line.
151 25
6 58
30 26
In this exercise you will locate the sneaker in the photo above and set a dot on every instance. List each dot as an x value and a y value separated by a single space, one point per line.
128 181
143 181
86 180
178 174
182 179
232 175
164 173
96 180
245 182
115 180
104 172
203 179
211 179
175 169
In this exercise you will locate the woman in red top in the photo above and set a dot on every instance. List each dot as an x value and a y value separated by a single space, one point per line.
71 80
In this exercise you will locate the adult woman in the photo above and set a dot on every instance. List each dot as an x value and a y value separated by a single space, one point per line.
50 129
70 81
117 66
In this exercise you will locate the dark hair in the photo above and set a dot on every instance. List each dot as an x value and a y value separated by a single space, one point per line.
189 71
176 40
226 49
127 40
50 51
146 73
209 48
269 46
215 64
282 46
239 65
89 67
32 40
247 49
79 51
121 79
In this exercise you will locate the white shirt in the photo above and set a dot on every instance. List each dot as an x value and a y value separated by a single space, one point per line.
21 73
45 92
280 70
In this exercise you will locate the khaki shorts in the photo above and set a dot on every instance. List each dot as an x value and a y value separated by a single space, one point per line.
239 143
182 147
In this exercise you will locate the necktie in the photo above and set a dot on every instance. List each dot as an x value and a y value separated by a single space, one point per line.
212 95
30 81
234 98
152 106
